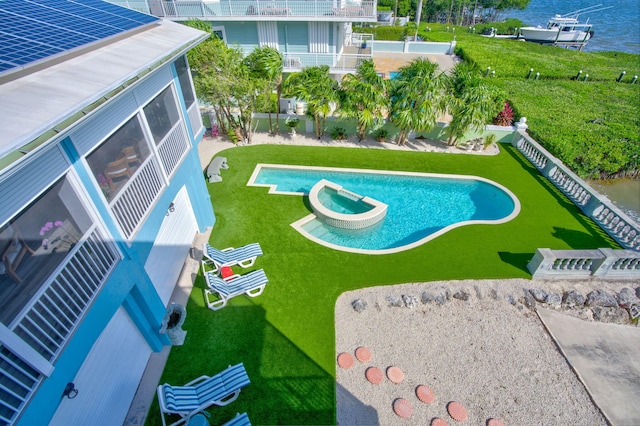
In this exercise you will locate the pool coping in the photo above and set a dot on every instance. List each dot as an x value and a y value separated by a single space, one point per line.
297 225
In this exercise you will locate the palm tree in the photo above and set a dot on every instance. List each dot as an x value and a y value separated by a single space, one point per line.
364 96
472 103
266 63
318 89
417 98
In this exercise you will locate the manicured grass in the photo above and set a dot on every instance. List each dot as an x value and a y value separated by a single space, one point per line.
285 337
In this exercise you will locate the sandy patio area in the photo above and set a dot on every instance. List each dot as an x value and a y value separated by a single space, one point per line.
487 353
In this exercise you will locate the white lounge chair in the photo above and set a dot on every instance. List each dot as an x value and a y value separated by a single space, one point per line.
251 284
192 398
244 256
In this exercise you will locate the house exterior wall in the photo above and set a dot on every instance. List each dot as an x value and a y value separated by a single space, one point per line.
128 285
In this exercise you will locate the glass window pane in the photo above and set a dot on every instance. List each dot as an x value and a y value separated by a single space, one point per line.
185 81
162 114
118 158
35 242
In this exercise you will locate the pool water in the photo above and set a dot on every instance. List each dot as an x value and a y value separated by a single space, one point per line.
420 206
330 198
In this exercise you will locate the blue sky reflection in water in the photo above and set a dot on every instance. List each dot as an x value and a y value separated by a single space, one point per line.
418 205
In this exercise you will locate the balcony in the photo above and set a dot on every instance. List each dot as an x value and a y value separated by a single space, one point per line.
257 10
356 49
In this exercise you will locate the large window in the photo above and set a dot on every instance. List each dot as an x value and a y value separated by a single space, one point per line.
35 243
185 82
162 114
117 159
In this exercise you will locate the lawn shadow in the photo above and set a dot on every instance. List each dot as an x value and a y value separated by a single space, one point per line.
519 260
287 386
582 239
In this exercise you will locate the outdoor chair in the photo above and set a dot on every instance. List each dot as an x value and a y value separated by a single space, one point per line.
251 284
201 393
115 170
239 420
244 256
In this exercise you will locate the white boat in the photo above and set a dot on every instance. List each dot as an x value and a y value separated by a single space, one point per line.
562 29
558 30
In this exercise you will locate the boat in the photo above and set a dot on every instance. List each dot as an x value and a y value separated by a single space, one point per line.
562 29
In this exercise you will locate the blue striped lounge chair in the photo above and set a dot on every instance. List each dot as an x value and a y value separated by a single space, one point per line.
239 420
251 284
244 256
201 393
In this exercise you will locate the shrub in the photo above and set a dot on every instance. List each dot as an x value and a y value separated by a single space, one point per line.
338 133
380 133
504 117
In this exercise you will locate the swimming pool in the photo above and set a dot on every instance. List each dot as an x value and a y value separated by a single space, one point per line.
421 206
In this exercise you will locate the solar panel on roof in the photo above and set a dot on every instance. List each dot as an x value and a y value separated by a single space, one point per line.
33 30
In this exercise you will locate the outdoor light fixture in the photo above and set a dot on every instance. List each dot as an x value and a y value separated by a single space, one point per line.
171 209
70 391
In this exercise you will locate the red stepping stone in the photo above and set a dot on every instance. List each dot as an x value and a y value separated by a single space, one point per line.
345 360
395 374
457 411
425 394
438 422
402 408
374 375
494 422
363 354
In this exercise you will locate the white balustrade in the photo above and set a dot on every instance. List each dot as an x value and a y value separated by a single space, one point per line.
579 264
609 217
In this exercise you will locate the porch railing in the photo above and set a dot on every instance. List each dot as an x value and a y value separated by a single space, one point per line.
336 62
51 318
364 10
131 204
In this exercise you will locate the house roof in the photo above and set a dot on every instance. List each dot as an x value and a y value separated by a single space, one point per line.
38 102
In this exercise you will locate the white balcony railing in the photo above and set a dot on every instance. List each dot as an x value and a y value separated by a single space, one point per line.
337 63
364 10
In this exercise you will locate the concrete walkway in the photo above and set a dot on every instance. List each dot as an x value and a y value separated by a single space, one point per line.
606 358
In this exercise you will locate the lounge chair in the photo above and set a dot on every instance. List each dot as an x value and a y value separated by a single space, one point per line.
239 420
244 256
192 398
251 284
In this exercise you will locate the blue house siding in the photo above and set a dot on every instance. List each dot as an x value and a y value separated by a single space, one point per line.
124 280
129 284
297 40
242 34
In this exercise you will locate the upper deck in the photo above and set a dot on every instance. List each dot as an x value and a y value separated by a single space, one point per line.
257 10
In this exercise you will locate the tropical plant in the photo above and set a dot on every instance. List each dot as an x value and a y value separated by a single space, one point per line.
338 133
504 117
222 80
266 63
471 103
291 123
318 89
380 133
364 97
417 98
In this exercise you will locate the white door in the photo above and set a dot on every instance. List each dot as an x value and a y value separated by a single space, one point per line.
108 378
171 247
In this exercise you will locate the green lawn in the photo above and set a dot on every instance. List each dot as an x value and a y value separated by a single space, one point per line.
285 337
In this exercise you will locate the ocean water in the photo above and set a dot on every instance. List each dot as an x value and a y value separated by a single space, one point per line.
616 29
